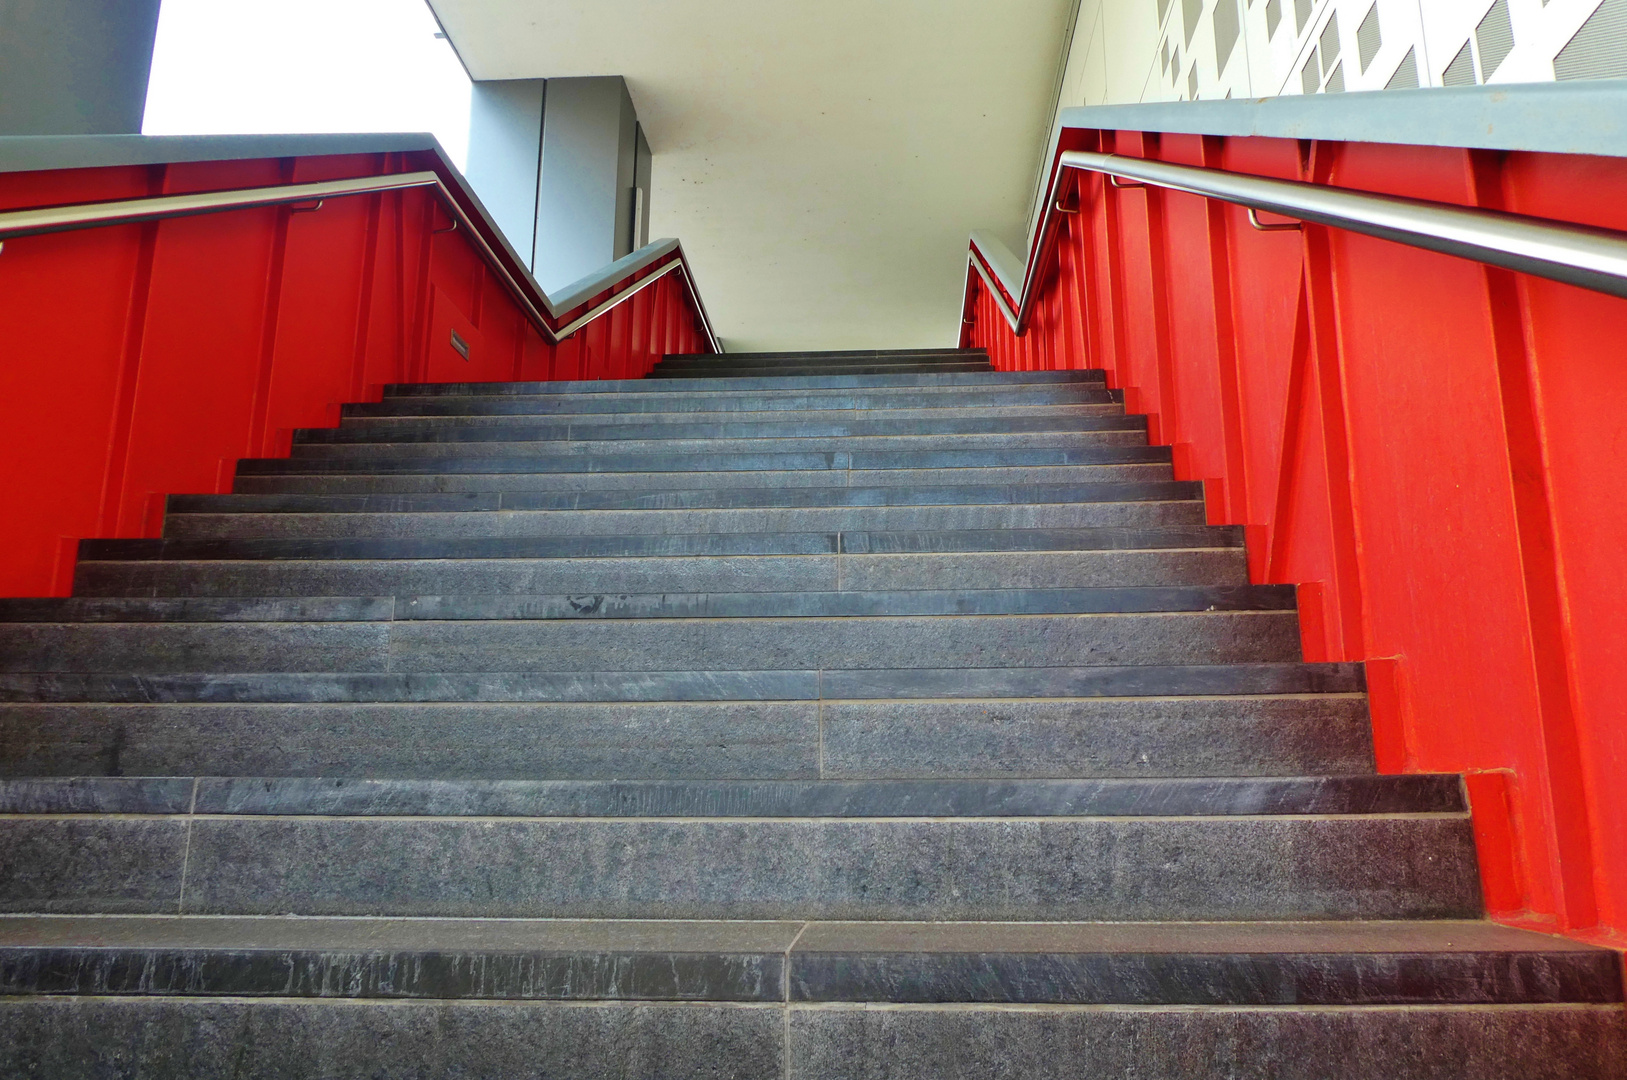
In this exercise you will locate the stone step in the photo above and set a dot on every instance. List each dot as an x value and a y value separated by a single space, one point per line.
527 429
498 524
592 448
429 1039
920 402
1077 868
595 576
664 482
443 461
834 356
769 371
876 738
1423 962
733 605
655 645
701 498
598 685
761 544
946 381
281 796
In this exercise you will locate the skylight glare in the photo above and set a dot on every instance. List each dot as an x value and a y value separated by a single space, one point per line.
287 66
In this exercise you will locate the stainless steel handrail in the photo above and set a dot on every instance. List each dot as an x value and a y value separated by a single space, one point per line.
1575 254
35 222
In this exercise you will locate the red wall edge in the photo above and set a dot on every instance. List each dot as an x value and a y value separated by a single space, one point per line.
138 361
1433 450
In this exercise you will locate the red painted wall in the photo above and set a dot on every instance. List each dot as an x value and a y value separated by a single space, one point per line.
1435 451
143 360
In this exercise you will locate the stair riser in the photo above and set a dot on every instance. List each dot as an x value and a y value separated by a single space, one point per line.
394 451
833 406
943 381
957 1043
712 481
1002 570
801 427
768 405
749 371
692 741
735 799
672 545
655 645
740 605
1010 869
507 1041
722 498
691 522
674 463
1290 736
1139 681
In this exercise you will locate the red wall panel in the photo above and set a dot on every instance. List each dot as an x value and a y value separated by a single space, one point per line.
138 361
1433 450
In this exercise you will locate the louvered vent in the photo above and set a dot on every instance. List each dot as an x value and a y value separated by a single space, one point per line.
1406 74
1599 49
1495 37
1368 40
1460 72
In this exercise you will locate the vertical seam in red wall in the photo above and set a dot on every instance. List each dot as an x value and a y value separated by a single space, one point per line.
1292 425
259 437
418 364
364 300
1551 649
135 332
1231 415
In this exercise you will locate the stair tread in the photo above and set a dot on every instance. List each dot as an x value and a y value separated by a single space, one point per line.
1236 963
1412 794
963 683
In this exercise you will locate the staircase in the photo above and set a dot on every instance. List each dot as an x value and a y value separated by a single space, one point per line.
815 716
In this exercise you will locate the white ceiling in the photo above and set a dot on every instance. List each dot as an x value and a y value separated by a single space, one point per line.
822 162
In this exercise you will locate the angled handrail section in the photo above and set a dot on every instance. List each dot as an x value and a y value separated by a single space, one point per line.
542 310
1577 255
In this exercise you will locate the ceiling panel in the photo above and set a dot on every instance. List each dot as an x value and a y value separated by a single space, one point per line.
822 162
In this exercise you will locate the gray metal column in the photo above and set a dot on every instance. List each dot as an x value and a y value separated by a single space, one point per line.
75 67
505 153
560 164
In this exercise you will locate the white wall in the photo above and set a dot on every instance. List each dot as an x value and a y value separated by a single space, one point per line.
1168 50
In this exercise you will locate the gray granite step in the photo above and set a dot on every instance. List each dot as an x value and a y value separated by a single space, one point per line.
1082 868
711 404
698 498
660 574
737 371
734 480
802 426
683 521
878 738
1105 538
678 644
819 444
963 683
647 605
418 1039
790 799
444 460
1240 963
827 356
955 381
1084 399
